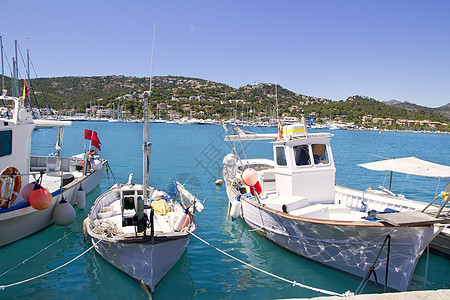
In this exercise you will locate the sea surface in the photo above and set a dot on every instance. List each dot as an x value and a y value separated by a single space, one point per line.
192 154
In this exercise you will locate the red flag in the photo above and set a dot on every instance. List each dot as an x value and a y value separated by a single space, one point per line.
92 136
87 134
96 145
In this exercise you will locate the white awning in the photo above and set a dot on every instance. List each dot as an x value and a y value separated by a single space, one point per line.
51 123
409 165
251 137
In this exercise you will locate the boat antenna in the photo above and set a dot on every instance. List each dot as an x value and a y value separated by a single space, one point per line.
147 146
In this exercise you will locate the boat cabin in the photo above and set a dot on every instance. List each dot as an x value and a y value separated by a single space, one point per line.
304 165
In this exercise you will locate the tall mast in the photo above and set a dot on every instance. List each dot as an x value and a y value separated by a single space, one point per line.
147 145
276 96
3 69
17 72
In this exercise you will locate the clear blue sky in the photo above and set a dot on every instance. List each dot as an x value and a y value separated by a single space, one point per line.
331 49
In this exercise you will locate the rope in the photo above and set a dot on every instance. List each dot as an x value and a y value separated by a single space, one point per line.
37 253
346 294
2 287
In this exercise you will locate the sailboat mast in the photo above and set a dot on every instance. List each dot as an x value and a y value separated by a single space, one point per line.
3 69
16 70
276 97
147 145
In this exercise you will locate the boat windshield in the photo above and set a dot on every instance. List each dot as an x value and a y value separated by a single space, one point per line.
320 154
301 154
281 156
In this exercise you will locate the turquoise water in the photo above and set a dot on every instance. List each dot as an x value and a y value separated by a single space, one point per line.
193 154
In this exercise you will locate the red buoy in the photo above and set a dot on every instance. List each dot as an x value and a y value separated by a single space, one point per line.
256 187
40 198
27 189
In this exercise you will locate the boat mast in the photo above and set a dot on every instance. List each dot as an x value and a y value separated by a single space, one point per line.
3 69
276 97
16 70
147 145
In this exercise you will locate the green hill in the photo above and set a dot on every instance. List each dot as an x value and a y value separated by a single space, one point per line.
215 99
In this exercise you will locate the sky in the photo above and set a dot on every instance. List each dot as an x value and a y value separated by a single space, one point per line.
331 49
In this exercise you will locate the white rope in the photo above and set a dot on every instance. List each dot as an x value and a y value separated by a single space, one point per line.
37 253
2 287
346 294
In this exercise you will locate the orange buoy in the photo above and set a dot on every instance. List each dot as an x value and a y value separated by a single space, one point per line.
249 177
219 182
40 198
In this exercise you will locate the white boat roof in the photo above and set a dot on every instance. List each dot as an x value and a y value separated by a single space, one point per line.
247 136
409 165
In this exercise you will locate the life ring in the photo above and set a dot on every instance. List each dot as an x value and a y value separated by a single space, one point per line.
5 176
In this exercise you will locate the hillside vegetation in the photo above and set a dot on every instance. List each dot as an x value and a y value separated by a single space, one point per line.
214 99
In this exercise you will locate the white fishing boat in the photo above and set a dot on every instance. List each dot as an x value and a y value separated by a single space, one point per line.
292 200
35 190
140 230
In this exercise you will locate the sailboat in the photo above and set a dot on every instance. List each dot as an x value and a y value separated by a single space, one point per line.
293 201
141 230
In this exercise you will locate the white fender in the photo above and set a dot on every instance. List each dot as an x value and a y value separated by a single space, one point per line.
63 214
80 198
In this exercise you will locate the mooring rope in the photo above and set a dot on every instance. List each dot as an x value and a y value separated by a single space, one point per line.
2 287
294 283
37 253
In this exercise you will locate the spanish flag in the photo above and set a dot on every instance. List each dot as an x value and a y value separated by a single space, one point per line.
280 129
25 89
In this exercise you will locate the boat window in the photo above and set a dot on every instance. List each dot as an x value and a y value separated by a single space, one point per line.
5 142
320 154
281 156
301 153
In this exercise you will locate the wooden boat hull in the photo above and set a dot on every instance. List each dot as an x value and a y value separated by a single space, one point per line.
143 257
143 260
346 246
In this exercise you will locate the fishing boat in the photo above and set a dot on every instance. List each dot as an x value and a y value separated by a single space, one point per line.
293 201
141 230
37 191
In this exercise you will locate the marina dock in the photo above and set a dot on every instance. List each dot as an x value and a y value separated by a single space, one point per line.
418 295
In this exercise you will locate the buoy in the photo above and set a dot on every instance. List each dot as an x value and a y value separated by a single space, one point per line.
63 214
80 198
235 208
27 189
98 165
40 198
256 187
249 177
180 222
219 182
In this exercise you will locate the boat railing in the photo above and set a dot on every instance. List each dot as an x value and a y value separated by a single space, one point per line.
364 201
50 163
